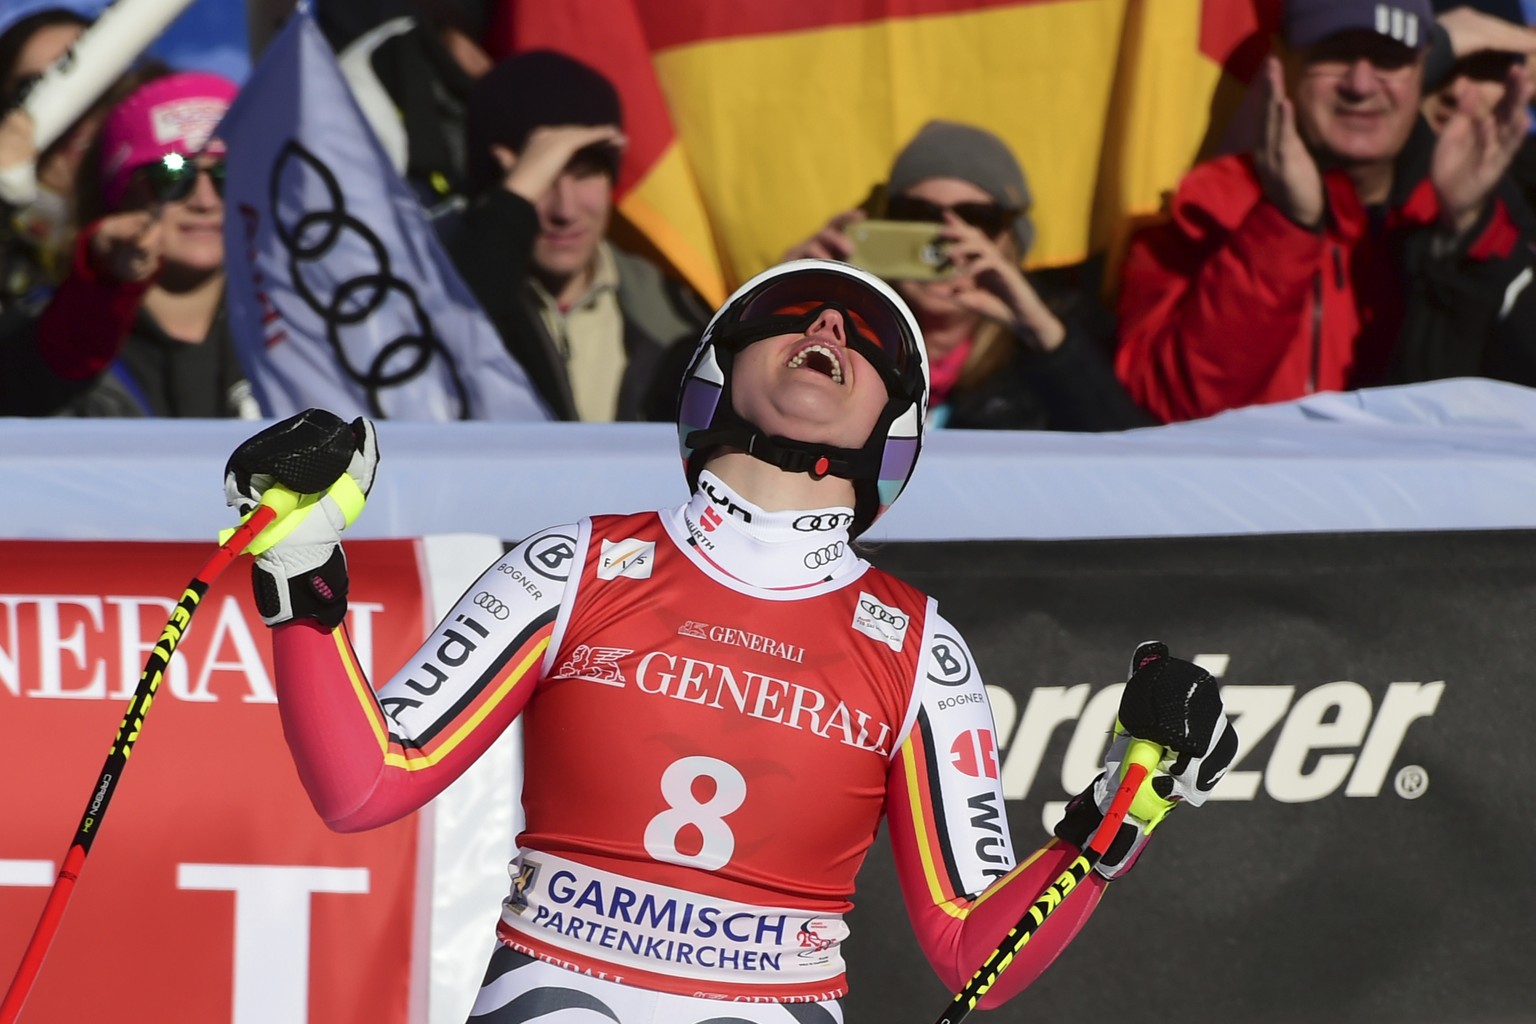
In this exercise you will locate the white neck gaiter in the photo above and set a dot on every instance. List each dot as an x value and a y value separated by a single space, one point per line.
772 550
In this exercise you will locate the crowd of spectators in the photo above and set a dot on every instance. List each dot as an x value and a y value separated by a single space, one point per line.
1371 223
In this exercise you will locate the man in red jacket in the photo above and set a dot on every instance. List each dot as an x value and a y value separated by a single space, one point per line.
1350 247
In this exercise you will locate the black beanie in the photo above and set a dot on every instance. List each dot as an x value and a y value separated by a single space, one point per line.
528 91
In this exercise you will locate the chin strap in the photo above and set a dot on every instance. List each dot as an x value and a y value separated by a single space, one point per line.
787 454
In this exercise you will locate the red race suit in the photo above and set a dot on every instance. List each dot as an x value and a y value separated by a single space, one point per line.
719 706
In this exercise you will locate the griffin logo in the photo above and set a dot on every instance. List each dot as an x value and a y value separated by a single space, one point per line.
594 664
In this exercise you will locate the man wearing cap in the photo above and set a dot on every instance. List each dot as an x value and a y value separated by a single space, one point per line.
589 322
1351 247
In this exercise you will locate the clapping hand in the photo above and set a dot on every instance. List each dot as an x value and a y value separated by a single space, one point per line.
1287 172
1476 148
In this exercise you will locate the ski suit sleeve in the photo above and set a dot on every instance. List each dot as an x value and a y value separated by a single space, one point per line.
368 758
88 319
949 831
1212 300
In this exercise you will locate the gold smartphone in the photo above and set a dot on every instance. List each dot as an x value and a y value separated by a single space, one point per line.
899 250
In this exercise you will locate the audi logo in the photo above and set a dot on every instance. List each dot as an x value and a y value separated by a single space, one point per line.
493 604
351 303
824 556
821 522
882 614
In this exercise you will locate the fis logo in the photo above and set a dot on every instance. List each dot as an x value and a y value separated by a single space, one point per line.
633 559
880 621
1295 744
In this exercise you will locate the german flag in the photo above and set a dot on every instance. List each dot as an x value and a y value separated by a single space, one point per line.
750 124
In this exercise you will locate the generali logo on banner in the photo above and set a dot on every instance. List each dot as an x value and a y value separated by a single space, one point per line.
214 893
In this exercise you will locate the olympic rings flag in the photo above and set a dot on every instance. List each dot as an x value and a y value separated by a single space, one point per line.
339 294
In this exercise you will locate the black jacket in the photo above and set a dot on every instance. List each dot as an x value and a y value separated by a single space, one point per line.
1073 388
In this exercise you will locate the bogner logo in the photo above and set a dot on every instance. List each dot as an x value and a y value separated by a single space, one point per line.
880 621
630 558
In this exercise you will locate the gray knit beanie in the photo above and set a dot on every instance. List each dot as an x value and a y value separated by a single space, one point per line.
947 149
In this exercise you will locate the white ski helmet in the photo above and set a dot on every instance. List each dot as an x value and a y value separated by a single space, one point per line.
787 299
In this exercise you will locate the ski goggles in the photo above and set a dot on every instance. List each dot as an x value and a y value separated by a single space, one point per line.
173 177
991 218
876 329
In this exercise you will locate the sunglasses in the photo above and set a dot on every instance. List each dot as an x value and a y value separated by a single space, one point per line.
992 219
793 303
173 177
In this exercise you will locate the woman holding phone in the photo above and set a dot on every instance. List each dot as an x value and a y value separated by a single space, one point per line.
1002 357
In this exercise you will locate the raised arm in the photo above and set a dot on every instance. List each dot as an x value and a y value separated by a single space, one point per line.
368 758
944 806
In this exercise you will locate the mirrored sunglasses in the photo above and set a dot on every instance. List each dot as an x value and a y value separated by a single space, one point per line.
173 177
991 218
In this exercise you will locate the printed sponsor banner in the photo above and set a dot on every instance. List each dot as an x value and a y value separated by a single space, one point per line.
214 892
1359 863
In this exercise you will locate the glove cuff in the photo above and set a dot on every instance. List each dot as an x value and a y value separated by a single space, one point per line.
1082 819
319 593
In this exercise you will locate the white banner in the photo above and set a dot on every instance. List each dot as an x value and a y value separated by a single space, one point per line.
339 294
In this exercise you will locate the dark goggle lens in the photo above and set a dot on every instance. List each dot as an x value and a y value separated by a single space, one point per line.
805 295
989 217
173 177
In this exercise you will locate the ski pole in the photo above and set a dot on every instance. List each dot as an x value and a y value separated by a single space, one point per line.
1140 758
277 503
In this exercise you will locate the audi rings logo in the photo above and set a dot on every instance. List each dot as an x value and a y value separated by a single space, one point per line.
823 521
360 312
824 556
493 604
880 613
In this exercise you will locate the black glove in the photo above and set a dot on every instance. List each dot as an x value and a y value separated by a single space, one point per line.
1177 705
304 572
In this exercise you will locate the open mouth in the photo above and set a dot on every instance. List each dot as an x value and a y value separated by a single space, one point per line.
821 358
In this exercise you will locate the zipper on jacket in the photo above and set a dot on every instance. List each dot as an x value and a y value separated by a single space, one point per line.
1318 289
1317 331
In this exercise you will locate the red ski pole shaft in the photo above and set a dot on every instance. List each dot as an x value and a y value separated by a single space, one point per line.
117 758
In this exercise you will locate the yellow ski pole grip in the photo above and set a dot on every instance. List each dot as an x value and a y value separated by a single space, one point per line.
291 508
1147 805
